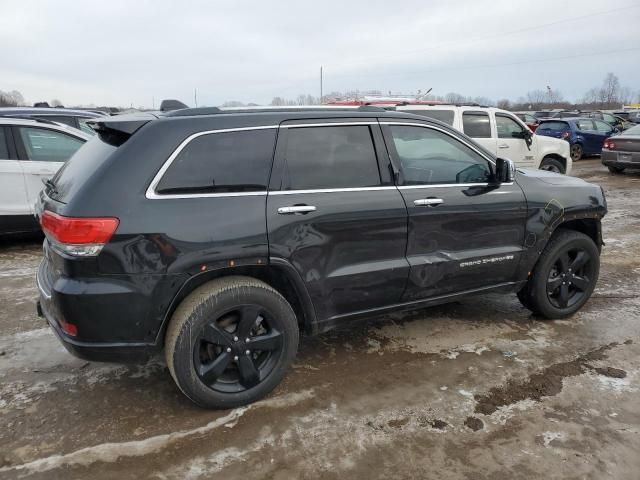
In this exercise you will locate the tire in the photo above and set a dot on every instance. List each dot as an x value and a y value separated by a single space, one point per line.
614 169
552 165
206 345
576 152
570 263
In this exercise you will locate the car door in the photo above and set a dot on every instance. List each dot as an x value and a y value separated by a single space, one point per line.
512 143
465 231
590 135
42 151
334 214
477 125
602 132
13 194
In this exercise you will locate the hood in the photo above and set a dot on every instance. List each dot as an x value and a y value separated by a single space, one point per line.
552 178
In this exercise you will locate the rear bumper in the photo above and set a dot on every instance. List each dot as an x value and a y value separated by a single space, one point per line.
97 352
58 305
621 159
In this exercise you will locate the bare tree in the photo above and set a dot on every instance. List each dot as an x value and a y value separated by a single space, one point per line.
504 104
56 103
11 99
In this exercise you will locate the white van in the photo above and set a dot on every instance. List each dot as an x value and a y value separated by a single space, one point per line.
502 133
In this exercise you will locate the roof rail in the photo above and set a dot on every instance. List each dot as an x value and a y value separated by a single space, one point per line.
370 108
187 112
28 117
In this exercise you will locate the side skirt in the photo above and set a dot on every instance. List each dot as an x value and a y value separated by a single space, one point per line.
337 320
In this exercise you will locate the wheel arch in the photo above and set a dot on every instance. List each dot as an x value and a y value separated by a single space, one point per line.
278 274
557 157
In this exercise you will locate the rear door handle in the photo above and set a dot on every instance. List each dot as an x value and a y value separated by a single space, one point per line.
428 202
296 209
504 145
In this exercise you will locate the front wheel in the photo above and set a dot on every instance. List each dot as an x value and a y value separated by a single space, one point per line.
565 276
552 165
230 342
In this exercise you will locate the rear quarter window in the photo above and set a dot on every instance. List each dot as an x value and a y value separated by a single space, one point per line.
220 163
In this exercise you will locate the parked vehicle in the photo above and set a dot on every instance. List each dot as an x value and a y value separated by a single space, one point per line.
629 115
73 118
584 135
606 117
556 113
30 151
529 120
622 151
502 133
219 236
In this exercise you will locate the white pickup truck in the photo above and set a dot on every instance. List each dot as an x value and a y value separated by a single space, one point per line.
502 133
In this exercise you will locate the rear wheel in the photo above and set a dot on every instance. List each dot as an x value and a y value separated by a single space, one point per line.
230 342
552 165
576 152
615 169
565 276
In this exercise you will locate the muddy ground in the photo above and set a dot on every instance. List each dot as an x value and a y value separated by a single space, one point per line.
476 389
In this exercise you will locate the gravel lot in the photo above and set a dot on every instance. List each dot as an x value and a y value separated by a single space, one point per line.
475 389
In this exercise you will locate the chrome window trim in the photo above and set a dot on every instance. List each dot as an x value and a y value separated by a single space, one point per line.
151 193
449 185
328 124
333 190
433 127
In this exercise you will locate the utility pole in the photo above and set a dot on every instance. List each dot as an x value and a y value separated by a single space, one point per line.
321 84
153 103
195 97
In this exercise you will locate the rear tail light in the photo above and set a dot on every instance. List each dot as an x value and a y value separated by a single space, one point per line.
609 145
565 135
78 236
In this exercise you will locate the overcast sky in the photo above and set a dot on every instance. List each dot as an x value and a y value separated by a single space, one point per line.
128 52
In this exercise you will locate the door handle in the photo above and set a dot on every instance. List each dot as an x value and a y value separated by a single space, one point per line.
428 202
296 209
504 145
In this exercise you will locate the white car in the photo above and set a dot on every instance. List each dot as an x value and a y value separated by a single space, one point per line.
501 133
30 151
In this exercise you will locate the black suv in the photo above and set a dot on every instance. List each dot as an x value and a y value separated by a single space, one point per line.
219 235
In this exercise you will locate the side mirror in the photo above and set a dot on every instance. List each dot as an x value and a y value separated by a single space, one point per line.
505 170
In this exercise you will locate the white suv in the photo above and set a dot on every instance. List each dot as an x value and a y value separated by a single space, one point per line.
502 133
30 151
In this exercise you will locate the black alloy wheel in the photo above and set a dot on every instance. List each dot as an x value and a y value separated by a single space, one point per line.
570 278
237 350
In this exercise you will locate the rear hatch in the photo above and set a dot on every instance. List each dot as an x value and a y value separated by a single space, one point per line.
555 129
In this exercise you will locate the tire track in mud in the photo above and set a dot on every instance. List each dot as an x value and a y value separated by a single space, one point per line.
546 383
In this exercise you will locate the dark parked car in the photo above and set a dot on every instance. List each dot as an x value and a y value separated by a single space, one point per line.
219 236
74 118
585 135
555 114
613 120
632 116
622 151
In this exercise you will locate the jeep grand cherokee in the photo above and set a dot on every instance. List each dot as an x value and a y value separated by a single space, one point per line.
219 236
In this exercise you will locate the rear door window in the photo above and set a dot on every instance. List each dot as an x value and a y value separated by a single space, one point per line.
445 116
585 125
46 145
476 124
330 157
220 163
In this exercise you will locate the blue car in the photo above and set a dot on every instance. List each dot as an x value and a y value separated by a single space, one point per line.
585 135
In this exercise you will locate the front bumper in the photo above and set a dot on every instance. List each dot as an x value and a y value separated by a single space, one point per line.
621 159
